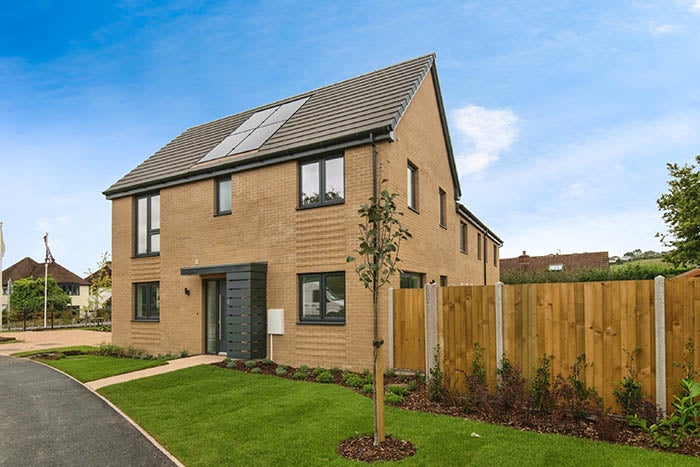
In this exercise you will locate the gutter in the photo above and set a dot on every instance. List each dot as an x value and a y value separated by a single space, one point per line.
463 211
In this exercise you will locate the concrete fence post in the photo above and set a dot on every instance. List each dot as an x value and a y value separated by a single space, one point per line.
431 325
391 327
660 341
499 323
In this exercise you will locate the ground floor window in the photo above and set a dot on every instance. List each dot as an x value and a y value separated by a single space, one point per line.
411 280
322 297
147 301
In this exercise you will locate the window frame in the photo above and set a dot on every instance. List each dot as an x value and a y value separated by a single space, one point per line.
419 275
442 207
443 281
150 316
322 319
150 231
322 179
463 232
495 255
217 191
412 186
478 246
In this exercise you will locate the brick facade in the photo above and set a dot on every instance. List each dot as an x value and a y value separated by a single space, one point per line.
266 226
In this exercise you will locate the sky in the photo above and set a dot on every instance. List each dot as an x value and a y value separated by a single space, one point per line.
563 115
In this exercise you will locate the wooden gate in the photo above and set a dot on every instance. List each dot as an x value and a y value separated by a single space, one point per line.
409 329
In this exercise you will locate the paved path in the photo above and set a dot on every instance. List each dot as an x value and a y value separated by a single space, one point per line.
172 365
48 419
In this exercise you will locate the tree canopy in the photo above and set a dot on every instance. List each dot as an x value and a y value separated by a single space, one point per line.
29 293
681 212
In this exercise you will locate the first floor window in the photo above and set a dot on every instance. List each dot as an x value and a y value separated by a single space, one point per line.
223 196
478 246
495 255
322 297
322 182
147 301
148 224
412 186
442 198
462 237
443 281
411 280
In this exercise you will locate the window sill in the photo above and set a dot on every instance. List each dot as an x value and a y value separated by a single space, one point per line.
222 213
413 209
464 252
443 226
143 320
322 323
312 206
146 255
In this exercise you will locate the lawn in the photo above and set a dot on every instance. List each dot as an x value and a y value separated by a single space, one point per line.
82 348
93 367
208 415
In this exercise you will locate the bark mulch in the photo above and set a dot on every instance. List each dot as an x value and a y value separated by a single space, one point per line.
363 449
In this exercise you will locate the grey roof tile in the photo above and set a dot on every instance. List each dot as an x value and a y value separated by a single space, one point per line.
373 102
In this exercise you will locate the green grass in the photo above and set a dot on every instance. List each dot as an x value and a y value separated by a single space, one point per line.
29 353
92 367
207 415
8 341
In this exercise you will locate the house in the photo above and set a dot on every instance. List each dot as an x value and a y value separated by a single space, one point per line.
71 283
101 301
556 262
258 211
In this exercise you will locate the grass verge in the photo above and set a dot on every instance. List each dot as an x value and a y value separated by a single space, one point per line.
93 367
207 415
29 353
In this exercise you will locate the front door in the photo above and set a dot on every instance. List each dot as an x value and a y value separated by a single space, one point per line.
215 291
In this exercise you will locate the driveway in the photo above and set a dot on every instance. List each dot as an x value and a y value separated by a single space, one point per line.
35 340
48 419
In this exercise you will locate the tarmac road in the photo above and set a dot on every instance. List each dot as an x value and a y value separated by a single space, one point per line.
48 419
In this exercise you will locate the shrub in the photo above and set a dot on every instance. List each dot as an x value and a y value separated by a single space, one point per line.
318 370
325 376
184 353
353 379
435 380
368 376
226 360
250 363
281 370
390 373
412 385
393 399
230 364
267 361
304 368
478 397
256 370
571 396
510 388
628 392
541 386
398 390
299 375
368 388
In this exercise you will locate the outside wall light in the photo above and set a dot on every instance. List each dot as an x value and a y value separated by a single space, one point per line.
187 291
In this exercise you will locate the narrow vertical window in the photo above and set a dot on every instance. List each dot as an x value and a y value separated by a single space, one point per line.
478 246
486 250
148 224
223 196
443 207
412 186
443 281
495 255
462 237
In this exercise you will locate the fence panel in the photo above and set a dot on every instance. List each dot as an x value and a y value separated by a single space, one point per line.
409 329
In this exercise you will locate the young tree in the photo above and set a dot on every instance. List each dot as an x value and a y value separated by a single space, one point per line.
29 293
681 212
100 284
381 233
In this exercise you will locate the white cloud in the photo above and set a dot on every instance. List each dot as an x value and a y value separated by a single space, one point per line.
490 132
663 29
695 7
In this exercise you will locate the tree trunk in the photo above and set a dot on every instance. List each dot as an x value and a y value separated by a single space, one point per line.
379 431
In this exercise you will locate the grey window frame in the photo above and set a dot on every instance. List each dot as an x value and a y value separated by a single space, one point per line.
443 281
495 255
150 317
478 246
412 186
322 319
150 232
420 276
442 200
217 190
463 236
321 161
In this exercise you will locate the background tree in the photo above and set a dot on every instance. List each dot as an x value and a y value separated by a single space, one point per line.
29 293
100 285
380 238
681 212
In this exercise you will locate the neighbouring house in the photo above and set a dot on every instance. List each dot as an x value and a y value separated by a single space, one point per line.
102 299
556 262
689 274
71 283
258 211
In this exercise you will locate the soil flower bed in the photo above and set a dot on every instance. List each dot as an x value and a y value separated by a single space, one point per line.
604 427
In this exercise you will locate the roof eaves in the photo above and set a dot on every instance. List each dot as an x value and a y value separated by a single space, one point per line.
461 209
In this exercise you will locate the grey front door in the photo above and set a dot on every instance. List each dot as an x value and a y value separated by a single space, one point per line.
215 290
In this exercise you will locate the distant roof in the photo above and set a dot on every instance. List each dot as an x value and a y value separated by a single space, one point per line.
690 274
568 262
333 117
27 267
107 268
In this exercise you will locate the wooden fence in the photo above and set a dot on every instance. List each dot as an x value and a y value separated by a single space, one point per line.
606 321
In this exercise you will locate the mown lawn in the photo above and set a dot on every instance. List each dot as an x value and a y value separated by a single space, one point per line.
207 415
82 348
93 367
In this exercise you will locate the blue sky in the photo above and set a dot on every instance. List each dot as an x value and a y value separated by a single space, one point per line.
562 114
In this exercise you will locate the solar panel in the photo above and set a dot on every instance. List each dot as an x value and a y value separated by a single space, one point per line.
257 129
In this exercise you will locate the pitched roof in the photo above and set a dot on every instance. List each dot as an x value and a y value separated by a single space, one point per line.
570 262
27 267
335 116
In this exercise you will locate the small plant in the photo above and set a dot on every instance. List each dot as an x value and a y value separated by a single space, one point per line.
226 360
541 386
353 379
400 390
478 397
412 385
230 364
368 376
571 396
256 370
184 353
510 388
390 373
368 388
281 370
435 380
299 375
688 363
318 370
250 364
628 392
267 361
393 398
304 368
325 376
